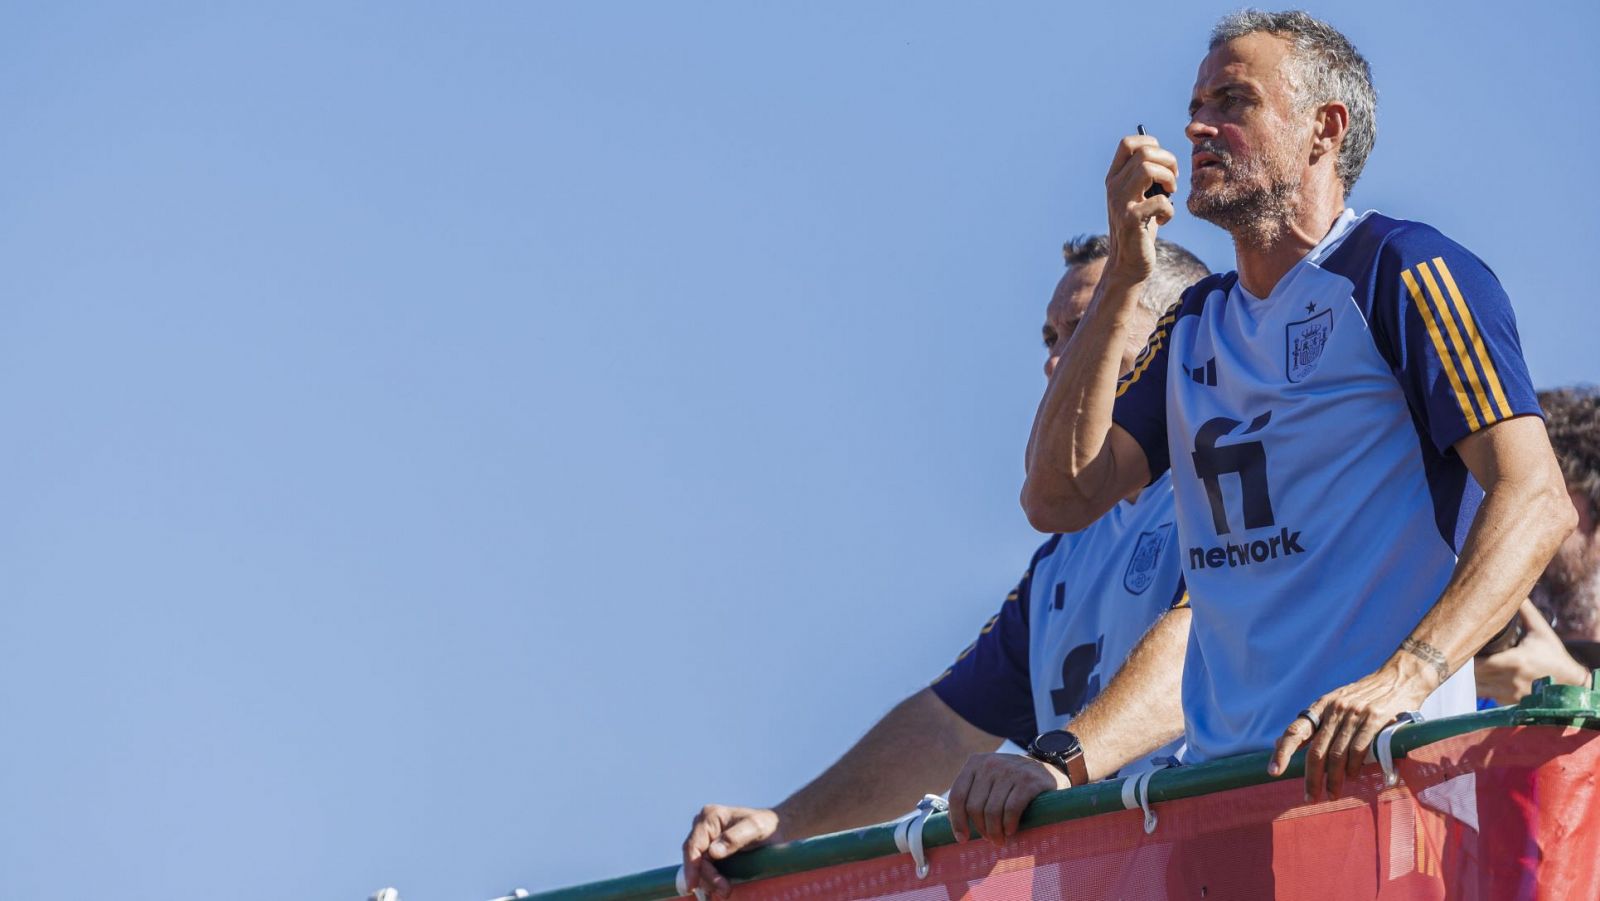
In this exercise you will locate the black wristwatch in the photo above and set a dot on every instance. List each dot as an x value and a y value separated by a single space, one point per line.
1061 749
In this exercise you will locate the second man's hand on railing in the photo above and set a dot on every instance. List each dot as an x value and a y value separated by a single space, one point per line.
992 791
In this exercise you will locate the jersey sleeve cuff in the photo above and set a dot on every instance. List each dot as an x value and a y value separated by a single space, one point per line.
1446 441
1153 443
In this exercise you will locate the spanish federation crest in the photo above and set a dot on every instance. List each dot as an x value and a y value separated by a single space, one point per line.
1304 343
1146 554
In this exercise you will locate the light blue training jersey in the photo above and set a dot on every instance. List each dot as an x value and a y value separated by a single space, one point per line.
1320 503
1084 602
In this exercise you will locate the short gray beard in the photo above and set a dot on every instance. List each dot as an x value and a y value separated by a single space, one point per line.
1255 217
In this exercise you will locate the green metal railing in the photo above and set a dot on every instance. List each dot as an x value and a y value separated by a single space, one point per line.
1548 705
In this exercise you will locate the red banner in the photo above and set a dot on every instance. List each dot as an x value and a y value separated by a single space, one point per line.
1497 814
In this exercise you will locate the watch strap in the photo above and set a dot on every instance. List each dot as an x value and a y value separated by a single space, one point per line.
1077 770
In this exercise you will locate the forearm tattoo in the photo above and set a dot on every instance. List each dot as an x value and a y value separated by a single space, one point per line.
1429 654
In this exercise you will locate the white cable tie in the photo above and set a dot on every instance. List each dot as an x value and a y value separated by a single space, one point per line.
1385 746
908 832
1136 793
682 884
1144 801
901 829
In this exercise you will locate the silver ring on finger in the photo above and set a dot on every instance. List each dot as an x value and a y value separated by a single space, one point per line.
1312 718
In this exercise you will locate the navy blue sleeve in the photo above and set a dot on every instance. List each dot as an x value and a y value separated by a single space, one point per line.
1141 405
989 684
1446 326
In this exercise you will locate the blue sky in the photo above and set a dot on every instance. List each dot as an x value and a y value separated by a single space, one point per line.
446 445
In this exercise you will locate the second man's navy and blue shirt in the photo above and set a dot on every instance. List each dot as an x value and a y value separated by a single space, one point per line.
1085 601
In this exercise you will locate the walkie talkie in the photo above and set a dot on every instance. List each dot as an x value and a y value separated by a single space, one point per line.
1154 190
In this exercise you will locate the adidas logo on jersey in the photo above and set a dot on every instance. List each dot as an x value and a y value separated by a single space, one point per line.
1204 374
1282 544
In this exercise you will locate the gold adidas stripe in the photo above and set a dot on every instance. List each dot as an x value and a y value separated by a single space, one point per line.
1464 358
1484 360
1157 336
1439 346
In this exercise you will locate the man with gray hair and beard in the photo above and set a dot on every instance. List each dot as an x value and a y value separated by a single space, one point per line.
1327 414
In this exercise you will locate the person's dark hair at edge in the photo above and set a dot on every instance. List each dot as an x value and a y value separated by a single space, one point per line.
1176 268
1323 66
1572 418
1568 592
